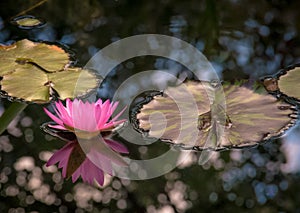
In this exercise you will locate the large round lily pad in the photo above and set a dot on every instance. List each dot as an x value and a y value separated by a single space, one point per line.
245 119
30 83
49 57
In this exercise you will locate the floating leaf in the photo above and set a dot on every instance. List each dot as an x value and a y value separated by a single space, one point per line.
27 82
288 83
72 80
49 57
35 72
32 84
247 118
172 109
27 22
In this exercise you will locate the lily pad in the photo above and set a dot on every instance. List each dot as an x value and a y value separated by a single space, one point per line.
246 119
71 80
32 84
166 111
27 82
49 57
28 22
288 83
36 72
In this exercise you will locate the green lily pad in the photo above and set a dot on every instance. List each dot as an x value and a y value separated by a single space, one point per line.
36 72
49 57
32 84
73 82
288 83
245 119
27 82
27 22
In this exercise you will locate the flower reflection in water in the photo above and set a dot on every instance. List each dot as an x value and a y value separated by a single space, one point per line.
92 123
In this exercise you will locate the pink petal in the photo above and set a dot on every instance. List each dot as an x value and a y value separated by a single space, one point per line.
62 156
57 127
76 174
98 113
99 102
54 118
104 114
60 108
119 114
113 107
103 156
112 124
118 147
77 115
100 177
63 113
84 116
88 172
69 106
91 120
100 161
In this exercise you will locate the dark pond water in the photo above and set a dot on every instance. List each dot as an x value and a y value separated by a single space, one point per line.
242 39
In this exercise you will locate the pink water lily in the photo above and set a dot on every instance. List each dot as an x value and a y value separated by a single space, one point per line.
87 121
85 116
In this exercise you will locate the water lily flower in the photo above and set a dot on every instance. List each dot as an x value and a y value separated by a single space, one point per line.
84 118
91 158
